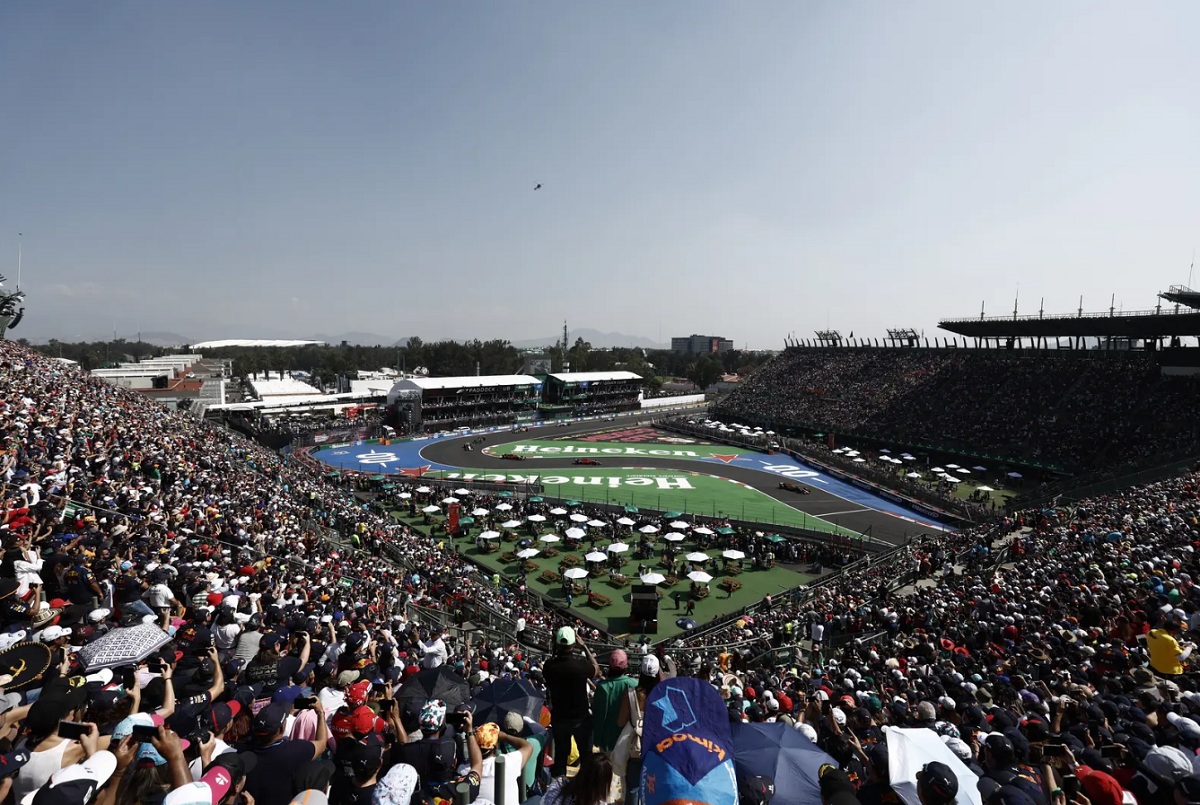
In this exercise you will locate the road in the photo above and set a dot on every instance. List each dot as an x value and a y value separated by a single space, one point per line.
883 526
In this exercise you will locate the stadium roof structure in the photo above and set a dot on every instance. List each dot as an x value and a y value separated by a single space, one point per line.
1145 324
255 342
1181 295
593 377
472 381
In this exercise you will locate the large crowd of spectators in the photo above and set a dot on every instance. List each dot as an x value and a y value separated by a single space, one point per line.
1074 411
1064 673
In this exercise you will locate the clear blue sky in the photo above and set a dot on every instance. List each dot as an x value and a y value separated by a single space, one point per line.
279 169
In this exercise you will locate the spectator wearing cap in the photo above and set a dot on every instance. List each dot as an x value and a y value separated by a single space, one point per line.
633 706
264 668
218 720
936 784
567 674
490 738
358 760
223 780
606 702
999 758
434 756
836 787
64 699
535 735
278 761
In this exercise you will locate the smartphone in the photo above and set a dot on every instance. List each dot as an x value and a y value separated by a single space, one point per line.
72 730
304 702
1112 751
385 705
144 732
156 666
1054 750
129 678
1070 785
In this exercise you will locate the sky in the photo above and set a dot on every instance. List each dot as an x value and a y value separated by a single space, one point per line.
750 170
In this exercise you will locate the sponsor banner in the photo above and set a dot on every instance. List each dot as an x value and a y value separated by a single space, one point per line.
660 482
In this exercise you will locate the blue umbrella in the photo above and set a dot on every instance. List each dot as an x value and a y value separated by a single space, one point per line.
780 752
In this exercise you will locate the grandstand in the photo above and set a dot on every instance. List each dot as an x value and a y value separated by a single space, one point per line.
418 404
583 393
1055 412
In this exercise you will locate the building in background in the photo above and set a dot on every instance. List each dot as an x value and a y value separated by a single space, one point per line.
701 344
192 380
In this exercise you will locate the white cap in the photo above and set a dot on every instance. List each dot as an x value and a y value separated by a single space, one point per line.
53 633
807 731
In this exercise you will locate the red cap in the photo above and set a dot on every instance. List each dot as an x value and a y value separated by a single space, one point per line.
356 694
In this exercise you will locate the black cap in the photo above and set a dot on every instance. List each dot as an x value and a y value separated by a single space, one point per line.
239 764
939 781
999 748
361 756
269 720
756 790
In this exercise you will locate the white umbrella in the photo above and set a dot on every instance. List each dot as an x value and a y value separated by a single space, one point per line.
884 450
963 471
702 530
578 518
732 554
430 509
909 458
859 460
673 537
840 450
618 547
952 466
511 524
480 513
424 490
912 475
985 489
649 529
489 534
700 576
950 479
575 573
405 495
527 553
980 469
597 556
696 556
462 491
576 533
624 521
558 510
1015 475
549 538
596 523
504 507
679 524
937 469
653 578
536 518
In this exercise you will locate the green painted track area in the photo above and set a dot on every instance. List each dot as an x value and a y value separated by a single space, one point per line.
656 489
612 451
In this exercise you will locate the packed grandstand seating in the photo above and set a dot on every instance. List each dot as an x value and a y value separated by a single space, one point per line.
1074 412
276 653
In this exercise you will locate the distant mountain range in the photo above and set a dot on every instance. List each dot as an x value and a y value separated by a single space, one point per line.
595 338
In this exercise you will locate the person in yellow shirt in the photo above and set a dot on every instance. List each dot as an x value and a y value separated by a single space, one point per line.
1166 655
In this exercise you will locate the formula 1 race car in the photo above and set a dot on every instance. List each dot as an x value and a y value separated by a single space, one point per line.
790 487
513 457
587 462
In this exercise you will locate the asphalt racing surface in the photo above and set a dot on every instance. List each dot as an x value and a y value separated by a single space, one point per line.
882 526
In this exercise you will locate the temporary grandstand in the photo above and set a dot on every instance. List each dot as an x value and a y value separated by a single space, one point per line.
583 393
438 403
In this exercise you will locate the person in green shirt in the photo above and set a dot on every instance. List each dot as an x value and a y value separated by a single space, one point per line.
606 704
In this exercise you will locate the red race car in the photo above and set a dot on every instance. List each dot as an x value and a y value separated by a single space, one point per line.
790 487
512 457
587 462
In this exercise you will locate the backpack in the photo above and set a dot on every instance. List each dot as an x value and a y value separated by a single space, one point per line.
635 718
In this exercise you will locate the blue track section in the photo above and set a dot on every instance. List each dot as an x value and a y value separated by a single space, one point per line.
379 458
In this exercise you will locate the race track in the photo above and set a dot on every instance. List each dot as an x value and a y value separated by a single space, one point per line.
859 511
